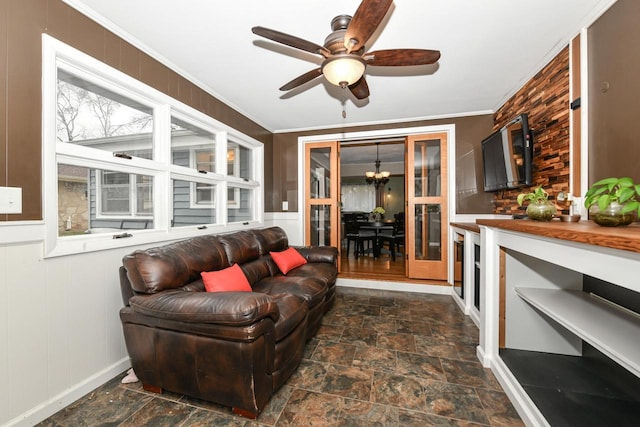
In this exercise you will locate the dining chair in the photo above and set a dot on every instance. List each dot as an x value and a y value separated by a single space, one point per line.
396 238
354 234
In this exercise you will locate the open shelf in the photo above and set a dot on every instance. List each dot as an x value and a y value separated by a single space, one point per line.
587 391
610 329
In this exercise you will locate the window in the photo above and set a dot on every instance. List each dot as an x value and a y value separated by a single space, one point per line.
240 204
122 160
239 161
93 116
358 197
124 195
184 213
202 194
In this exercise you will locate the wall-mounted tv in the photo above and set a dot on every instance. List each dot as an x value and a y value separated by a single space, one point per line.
507 156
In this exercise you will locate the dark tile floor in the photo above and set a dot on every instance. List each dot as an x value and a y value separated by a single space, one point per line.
380 359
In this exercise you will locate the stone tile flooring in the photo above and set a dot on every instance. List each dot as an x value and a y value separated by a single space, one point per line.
380 359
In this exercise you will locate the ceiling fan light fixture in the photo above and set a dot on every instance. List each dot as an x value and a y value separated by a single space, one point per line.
343 70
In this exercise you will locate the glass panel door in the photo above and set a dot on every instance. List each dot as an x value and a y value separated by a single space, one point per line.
321 194
427 206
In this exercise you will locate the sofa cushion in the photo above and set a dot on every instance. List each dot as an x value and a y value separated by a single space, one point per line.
326 254
288 259
174 265
293 311
222 308
260 268
272 239
310 289
318 270
230 279
240 247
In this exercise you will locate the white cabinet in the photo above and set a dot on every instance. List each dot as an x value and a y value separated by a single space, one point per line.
465 269
533 301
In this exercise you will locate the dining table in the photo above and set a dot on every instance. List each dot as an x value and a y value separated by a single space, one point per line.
377 227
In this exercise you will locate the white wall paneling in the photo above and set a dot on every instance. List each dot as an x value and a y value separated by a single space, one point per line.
60 332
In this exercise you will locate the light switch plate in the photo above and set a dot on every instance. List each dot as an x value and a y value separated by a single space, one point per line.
285 206
10 200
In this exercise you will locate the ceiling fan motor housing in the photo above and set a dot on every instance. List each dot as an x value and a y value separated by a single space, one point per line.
335 41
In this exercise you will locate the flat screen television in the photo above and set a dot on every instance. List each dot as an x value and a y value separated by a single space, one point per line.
507 156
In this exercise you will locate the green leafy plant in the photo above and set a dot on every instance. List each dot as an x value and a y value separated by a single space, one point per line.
608 191
538 196
378 210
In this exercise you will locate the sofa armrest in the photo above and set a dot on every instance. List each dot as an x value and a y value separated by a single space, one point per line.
327 254
222 308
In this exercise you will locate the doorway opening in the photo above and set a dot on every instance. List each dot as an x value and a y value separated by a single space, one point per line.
424 178
373 246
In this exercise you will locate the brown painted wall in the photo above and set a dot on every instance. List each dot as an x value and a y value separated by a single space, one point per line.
546 99
21 24
469 133
614 93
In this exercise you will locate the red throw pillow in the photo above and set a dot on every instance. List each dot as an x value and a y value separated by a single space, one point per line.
288 259
230 279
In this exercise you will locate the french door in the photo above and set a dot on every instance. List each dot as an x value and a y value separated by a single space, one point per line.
427 221
322 194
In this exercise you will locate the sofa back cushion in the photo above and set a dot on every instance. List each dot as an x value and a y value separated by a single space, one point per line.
174 265
272 239
240 247
258 269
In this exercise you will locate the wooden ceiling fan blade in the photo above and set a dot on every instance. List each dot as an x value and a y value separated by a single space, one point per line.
360 89
300 80
365 22
401 57
290 40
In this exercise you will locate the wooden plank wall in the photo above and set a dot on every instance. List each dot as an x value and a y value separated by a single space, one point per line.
546 99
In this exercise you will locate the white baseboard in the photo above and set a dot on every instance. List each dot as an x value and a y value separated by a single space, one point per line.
67 397
460 303
521 401
394 286
474 314
482 357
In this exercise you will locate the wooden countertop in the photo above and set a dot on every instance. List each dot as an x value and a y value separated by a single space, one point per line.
623 238
469 226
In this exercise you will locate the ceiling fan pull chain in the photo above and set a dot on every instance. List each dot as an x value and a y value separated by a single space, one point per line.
344 109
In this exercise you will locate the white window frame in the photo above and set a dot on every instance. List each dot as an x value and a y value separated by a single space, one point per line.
59 55
133 198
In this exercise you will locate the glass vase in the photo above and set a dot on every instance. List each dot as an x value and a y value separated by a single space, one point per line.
611 216
544 211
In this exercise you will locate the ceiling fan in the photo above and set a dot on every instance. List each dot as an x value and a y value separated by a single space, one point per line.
344 49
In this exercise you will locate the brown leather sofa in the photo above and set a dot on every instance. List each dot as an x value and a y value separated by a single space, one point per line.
232 348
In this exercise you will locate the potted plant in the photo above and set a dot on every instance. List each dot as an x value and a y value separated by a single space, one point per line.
377 212
539 208
613 201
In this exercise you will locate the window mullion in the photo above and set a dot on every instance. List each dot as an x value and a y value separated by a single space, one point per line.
162 197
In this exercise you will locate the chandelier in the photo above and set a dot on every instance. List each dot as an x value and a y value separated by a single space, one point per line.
377 178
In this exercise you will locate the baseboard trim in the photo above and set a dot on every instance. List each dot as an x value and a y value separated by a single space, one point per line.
521 401
394 286
67 397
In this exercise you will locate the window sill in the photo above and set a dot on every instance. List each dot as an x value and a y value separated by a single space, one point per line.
104 241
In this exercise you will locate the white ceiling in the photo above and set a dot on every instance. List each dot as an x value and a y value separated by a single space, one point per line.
489 50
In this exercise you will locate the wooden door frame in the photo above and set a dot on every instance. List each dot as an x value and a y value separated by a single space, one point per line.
450 129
